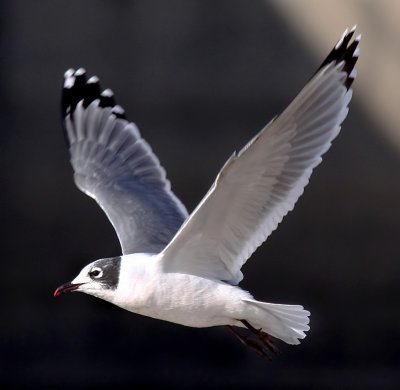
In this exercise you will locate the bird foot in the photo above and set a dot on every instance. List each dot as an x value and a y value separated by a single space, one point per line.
262 344
251 343
264 337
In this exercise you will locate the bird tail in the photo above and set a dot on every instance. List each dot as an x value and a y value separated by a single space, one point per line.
285 322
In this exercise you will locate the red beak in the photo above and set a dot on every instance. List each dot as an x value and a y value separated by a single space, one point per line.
66 287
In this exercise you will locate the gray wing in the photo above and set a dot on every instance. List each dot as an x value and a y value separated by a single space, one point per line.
258 186
116 167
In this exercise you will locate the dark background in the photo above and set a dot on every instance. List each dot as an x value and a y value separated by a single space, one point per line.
199 78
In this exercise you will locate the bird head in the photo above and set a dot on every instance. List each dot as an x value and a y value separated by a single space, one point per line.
99 279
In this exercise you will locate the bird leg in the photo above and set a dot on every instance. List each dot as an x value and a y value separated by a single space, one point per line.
264 337
262 344
253 344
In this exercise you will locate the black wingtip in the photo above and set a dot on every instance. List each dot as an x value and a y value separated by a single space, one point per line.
77 88
346 51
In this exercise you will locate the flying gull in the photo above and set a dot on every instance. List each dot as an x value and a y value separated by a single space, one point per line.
186 268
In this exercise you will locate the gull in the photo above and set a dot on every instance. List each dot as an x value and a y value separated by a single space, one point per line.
186 268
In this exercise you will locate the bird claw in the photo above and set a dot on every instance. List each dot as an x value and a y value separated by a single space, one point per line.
264 337
262 344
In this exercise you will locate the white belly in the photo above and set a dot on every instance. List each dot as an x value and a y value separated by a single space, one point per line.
183 299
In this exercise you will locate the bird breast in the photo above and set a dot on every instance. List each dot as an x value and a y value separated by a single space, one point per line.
180 298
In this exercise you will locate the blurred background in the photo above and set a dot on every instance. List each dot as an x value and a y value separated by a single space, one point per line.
199 78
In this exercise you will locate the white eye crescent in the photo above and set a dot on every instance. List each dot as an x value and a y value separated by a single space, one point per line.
96 273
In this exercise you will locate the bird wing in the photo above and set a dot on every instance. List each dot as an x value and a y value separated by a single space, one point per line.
116 167
259 185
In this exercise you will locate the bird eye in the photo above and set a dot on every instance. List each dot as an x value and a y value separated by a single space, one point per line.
96 273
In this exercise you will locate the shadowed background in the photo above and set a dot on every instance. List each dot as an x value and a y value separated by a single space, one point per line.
199 78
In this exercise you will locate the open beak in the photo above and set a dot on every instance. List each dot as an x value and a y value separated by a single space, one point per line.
66 287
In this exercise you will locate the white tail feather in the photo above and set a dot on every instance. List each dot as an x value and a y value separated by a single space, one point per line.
285 322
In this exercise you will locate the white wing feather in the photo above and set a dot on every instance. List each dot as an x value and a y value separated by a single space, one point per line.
257 187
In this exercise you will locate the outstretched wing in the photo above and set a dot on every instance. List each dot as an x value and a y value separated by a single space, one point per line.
116 167
258 186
